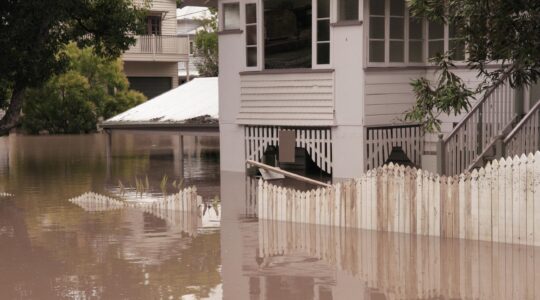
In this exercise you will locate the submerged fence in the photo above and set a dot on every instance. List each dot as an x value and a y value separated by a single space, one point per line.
499 203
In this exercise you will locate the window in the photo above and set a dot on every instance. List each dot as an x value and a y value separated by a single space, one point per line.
231 16
397 31
397 38
153 25
435 39
348 10
251 35
287 42
377 31
416 40
323 32
191 49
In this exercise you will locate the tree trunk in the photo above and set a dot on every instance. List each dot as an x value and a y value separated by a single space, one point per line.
13 113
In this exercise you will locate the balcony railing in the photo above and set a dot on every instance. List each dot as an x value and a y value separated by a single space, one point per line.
159 46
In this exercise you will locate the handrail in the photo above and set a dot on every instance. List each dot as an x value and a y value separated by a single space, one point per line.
519 126
287 174
476 107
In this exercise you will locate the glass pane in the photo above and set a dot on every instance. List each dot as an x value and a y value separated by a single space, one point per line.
436 47
323 30
251 34
376 51
397 28
397 51
323 53
287 42
376 28
323 9
251 13
376 7
251 56
436 30
231 16
347 10
416 51
397 7
415 29
458 49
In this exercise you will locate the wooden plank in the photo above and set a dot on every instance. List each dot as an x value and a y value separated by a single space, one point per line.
529 205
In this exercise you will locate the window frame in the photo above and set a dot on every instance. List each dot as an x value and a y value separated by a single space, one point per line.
406 50
315 31
222 15
243 19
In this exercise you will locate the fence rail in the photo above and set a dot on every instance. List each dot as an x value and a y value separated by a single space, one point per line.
159 44
484 123
495 203
525 137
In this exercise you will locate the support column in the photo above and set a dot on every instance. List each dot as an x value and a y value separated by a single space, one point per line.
108 152
178 151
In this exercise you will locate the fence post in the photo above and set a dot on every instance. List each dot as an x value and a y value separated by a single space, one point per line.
480 131
440 155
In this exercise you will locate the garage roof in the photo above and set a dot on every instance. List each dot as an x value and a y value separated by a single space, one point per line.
195 102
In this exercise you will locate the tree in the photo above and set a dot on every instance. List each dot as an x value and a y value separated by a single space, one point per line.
503 45
206 47
32 33
93 88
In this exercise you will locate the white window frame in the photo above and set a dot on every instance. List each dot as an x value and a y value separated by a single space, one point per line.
406 62
314 34
260 40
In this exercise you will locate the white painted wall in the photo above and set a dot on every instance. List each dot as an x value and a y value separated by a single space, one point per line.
231 134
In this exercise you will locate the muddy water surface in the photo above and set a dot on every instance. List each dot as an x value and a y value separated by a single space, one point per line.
53 249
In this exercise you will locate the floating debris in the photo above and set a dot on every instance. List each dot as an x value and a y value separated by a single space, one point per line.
3 195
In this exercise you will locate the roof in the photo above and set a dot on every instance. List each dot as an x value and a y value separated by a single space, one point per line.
193 103
192 13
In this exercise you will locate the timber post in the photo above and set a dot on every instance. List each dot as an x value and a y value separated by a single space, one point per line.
440 155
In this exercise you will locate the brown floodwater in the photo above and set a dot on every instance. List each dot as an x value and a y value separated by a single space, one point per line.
51 248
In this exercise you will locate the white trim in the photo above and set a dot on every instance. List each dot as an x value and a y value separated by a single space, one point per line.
314 35
258 19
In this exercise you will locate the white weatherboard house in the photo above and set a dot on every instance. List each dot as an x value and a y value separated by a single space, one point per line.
151 65
338 73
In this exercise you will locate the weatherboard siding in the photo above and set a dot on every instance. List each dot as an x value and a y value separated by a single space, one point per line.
299 99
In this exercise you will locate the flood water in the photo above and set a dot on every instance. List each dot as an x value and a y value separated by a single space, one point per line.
51 248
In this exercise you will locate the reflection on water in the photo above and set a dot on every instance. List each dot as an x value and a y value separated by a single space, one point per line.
51 248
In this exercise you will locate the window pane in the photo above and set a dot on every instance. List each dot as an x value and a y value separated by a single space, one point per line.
251 13
397 7
376 7
415 28
323 53
416 51
347 10
397 51
287 25
323 30
436 47
457 47
323 9
376 28
397 28
251 34
231 16
436 30
376 51
251 56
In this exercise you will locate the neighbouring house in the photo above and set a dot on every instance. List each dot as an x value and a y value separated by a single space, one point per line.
188 23
151 65
337 73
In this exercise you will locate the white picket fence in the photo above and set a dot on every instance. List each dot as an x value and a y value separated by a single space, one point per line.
499 203
185 200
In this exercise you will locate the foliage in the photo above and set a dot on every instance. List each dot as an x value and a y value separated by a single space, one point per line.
73 102
448 95
501 36
206 47
32 33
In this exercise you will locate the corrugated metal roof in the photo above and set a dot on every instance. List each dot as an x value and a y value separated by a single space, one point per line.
188 102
